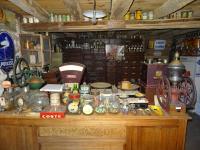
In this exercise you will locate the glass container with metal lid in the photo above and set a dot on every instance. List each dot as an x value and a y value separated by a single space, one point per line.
175 69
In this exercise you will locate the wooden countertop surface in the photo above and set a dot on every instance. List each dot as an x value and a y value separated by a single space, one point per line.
10 117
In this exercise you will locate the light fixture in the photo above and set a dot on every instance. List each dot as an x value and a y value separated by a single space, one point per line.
94 14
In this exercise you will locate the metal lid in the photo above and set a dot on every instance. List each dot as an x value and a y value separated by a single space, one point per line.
176 63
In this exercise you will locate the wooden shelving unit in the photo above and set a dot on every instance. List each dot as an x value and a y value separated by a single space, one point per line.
36 49
109 25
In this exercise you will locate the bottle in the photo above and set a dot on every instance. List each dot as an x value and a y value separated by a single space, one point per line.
75 88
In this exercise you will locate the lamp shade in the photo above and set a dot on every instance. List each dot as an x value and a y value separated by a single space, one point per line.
91 14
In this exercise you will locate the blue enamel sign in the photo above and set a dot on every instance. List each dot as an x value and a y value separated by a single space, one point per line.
7 52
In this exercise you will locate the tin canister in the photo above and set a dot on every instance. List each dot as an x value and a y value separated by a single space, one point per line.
184 14
190 14
138 14
145 15
54 99
132 16
150 15
127 16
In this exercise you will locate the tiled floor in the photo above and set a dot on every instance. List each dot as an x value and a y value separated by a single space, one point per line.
193 133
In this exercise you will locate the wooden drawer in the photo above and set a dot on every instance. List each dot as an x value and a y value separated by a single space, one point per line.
82 131
82 137
84 145
88 56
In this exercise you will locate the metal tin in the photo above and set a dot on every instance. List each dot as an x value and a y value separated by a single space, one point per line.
138 14
127 17
54 99
190 14
150 15
145 15
184 14
132 16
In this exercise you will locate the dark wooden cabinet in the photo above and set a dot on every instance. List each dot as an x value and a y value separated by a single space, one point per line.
130 68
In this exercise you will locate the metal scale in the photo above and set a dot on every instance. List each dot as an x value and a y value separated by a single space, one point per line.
71 73
177 89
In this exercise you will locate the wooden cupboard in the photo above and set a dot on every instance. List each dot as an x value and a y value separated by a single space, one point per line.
95 132
36 49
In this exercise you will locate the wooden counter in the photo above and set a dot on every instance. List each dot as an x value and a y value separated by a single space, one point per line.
95 132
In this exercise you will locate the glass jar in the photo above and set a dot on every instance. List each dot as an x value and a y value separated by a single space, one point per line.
100 106
125 106
84 89
38 100
73 104
114 105
88 105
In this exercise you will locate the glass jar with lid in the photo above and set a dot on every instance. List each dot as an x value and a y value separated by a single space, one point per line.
73 104
114 105
100 105
88 104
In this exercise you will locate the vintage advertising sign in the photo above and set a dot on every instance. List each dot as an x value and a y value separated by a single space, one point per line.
52 115
159 44
7 52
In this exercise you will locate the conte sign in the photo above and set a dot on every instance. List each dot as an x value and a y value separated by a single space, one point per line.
7 52
52 115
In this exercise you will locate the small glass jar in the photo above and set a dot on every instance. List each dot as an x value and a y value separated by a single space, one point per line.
84 89
114 105
73 104
88 106
125 107
100 106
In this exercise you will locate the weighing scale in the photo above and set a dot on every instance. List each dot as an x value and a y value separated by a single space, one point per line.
71 73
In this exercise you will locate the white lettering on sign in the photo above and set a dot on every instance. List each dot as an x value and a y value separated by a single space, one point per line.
52 116
159 44
71 76
7 63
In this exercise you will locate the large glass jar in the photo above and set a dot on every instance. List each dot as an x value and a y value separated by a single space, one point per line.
38 100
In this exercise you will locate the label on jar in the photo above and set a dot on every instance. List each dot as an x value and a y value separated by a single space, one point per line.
87 109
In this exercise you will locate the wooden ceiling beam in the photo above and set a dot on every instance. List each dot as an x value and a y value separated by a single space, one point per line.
169 7
120 8
74 8
33 8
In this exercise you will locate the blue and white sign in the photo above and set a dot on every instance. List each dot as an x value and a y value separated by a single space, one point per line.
7 52
159 44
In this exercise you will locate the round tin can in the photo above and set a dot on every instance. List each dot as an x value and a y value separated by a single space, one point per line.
54 99
150 15
145 15
138 14
132 16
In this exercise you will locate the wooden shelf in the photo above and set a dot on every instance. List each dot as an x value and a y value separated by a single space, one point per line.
35 65
31 50
105 25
